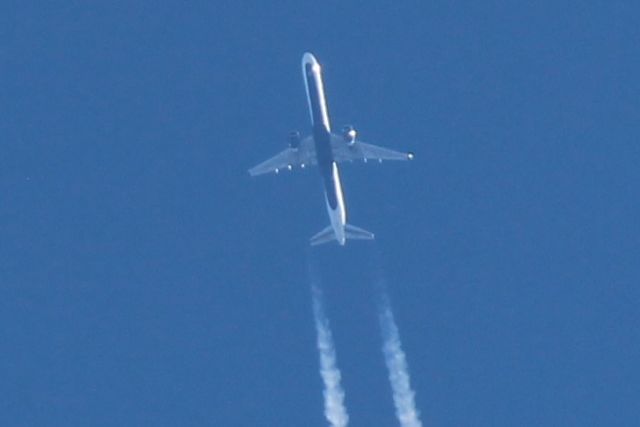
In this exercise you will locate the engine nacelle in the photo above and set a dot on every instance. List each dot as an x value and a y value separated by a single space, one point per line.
294 139
349 134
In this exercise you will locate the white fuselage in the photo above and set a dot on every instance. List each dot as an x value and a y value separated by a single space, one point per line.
316 99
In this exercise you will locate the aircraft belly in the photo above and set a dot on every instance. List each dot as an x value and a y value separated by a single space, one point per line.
335 203
315 92
336 217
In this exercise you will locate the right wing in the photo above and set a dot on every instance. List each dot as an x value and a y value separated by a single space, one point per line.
362 151
304 155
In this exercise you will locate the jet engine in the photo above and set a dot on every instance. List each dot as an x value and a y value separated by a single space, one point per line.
294 139
349 134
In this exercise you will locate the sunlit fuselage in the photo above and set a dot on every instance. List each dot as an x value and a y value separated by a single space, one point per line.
322 138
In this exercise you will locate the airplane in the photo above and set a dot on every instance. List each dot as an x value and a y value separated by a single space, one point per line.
326 149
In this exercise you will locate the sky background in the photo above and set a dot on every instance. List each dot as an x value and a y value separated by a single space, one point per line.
146 279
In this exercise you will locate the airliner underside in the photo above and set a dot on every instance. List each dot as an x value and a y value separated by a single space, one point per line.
326 149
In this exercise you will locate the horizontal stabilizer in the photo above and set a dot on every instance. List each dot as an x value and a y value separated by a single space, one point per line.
326 235
351 232
355 233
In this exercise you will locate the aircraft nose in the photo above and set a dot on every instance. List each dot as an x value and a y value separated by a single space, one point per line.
308 60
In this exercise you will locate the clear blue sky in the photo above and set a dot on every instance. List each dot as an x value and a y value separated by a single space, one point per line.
146 279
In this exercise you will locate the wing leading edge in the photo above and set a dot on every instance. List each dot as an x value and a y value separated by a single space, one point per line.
304 155
343 152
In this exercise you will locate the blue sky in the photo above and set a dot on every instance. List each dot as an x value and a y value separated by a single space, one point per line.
145 278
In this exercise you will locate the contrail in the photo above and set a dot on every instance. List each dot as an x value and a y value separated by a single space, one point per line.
396 361
334 408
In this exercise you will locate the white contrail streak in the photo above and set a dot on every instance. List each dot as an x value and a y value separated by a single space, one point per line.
334 408
403 395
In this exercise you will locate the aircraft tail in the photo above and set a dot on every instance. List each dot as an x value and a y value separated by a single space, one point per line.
351 232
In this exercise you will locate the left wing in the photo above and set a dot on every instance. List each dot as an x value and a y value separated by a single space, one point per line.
343 152
304 155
